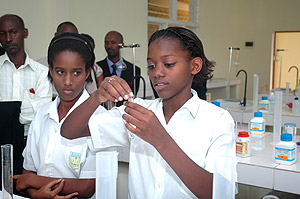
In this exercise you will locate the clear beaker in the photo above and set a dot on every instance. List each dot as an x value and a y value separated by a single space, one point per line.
291 129
7 171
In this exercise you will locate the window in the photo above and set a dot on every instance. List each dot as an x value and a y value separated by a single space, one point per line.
165 13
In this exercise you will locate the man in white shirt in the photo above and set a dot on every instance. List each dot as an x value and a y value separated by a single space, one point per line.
21 78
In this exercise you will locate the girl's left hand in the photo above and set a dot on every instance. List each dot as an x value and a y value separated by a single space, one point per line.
22 181
147 125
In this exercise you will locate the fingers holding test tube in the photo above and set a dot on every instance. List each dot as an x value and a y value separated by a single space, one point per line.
114 89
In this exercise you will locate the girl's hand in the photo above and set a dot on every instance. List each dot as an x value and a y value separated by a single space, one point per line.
113 89
48 192
22 181
147 125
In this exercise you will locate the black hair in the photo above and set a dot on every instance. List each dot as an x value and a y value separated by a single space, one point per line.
72 42
67 23
89 38
18 18
192 44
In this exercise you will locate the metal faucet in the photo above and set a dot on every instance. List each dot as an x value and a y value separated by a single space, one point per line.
243 103
296 74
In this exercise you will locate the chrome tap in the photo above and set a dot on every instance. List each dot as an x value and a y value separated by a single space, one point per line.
296 74
243 103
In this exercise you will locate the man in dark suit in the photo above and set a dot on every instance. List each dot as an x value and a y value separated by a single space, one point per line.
114 64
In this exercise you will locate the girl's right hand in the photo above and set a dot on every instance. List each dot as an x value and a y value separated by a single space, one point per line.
113 89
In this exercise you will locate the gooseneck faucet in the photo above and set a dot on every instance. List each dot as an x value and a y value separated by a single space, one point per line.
296 74
243 103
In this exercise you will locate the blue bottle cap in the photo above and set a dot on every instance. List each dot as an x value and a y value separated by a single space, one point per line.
286 137
216 103
264 98
290 124
258 114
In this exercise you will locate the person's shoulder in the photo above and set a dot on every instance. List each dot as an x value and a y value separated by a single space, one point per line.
212 110
130 65
101 62
37 66
148 103
44 109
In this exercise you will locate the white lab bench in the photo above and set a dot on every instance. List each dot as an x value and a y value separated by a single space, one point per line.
261 170
245 114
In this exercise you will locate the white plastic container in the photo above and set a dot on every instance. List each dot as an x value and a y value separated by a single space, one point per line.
271 100
285 150
296 106
243 147
257 124
264 104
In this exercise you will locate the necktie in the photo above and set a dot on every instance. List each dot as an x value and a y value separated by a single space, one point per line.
114 70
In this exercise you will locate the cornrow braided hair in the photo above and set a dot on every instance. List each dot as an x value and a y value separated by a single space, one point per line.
191 43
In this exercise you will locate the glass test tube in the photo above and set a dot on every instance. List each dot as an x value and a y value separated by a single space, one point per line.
7 171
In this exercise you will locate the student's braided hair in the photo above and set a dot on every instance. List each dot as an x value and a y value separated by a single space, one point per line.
191 43
72 42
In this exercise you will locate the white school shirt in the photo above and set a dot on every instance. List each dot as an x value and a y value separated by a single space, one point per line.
29 84
49 154
202 130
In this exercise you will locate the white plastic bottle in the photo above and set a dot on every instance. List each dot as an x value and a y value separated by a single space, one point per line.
285 150
271 100
243 147
264 104
296 106
257 124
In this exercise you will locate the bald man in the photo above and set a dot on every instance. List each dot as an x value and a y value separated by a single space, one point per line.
112 64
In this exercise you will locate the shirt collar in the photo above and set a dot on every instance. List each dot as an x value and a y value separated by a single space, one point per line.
28 61
110 63
4 58
53 112
193 104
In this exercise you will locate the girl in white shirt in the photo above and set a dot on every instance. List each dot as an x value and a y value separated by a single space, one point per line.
61 168
180 146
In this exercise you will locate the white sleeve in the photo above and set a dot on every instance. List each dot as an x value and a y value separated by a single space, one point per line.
98 70
30 152
221 158
108 129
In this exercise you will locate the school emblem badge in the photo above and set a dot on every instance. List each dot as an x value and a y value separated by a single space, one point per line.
74 159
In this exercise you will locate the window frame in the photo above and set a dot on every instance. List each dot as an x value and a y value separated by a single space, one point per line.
194 17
